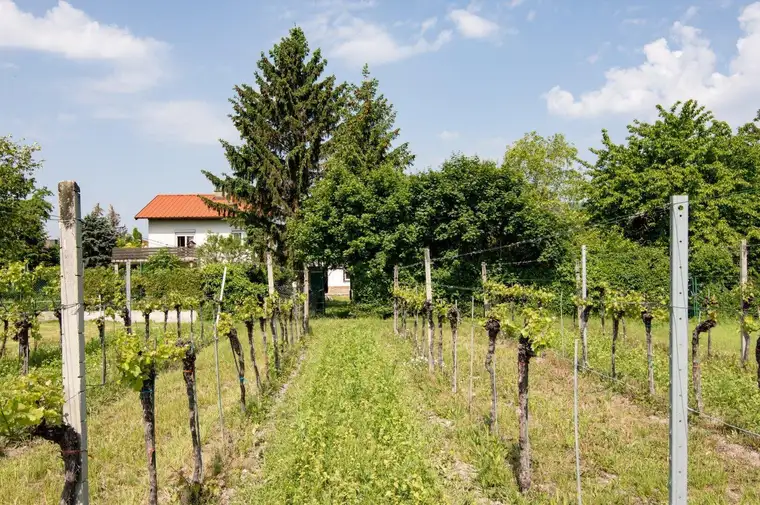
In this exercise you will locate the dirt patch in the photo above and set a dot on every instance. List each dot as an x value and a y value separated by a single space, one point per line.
737 452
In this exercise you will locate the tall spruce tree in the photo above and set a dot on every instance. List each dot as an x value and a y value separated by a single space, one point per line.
355 214
98 238
284 122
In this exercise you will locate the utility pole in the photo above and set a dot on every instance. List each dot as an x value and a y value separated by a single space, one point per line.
679 348
72 325
429 299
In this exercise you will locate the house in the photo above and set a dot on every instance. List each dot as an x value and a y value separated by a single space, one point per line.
181 222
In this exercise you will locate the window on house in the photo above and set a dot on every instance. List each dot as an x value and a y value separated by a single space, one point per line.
346 277
185 240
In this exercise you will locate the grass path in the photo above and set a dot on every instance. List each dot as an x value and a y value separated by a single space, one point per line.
350 430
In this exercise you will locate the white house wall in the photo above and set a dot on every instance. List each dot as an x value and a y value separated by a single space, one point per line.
336 285
163 232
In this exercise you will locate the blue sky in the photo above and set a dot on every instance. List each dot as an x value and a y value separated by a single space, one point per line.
129 98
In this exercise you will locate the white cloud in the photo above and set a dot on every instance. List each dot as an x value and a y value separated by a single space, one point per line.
72 34
690 13
669 75
472 26
447 135
185 121
357 41
531 15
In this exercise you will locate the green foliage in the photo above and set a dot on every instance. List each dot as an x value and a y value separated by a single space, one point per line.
224 249
622 304
24 209
27 400
133 239
686 151
103 287
284 121
98 239
18 296
226 324
240 284
136 358
162 260
532 322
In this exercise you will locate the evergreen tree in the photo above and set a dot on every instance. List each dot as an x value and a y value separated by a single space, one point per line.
23 208
115 220
284 123
98 239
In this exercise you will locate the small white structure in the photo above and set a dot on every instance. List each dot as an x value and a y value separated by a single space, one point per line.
186 221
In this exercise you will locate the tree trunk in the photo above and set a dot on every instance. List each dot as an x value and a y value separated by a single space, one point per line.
5 337
69 441
249 328
166 320
125 314
273 327
709 343
524 353
440 342
615 329
265 353
101 324
146 318
237 352
188 362
149 424
647 318
492 327
696 368
454 321
178 309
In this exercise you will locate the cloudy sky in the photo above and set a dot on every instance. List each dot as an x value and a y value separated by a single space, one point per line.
129 98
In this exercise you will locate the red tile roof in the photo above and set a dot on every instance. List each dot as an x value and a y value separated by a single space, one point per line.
180 207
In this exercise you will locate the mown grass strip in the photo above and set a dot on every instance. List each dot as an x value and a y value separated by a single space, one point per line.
347 433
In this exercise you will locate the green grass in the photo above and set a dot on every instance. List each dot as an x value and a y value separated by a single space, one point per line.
32 473
348 432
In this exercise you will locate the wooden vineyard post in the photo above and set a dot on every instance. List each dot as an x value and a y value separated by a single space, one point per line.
743 308
679 347
72 337
429 304
128 293
216 356
395 300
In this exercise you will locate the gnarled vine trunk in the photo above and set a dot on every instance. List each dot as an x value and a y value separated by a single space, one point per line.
265 351
416 328
69 441
147 401
126 315
440 342
492 327
709 343
237 352
454 321
178 309
188 362
696 368
101 324
284 330
249 329
524 354
403 320
23 327
583 313
166 320
647 317
59 318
